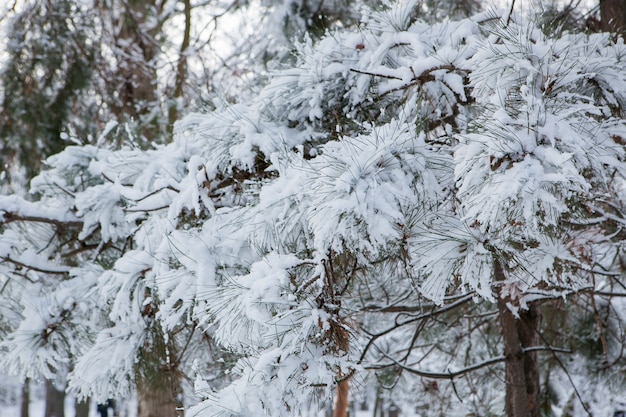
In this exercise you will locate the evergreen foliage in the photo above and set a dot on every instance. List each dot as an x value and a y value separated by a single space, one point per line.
50 64
374 215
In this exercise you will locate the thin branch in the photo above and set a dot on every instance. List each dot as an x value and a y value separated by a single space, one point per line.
419 79
442 310
569 377
4 286
439 375
606 215
8 10
179 359
609 294
544 348
453 374
390 77
508 19
181 67
59 271
394 309
8 217
146 210
154 192
85 248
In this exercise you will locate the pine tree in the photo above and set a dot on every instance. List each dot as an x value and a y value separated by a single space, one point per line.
392 213
50 66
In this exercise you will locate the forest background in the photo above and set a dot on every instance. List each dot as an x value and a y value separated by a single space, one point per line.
297 207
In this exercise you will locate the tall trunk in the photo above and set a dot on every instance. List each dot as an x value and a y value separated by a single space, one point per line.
378 409
134 88
181 67
159 399
341 399
528 329
55 400
25 401
157 377
613 16
516 400
521 367
82 408
159 387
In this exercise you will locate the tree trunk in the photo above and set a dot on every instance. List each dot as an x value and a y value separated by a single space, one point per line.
160 396
341 399
613 16
157 402
181 68
25 401
377 405
82 408
55 400
521 367
528 329
135 74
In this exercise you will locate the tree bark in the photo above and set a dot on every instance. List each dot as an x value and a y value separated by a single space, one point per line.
528 329
613 16
82 408
157 401
181 68
521 366
55 400
25 401
341 399
160 396
134 86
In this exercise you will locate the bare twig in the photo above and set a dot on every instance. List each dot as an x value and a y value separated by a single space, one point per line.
58 271
442 310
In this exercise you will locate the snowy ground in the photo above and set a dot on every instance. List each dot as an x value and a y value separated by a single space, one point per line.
37 409
10 401
10 392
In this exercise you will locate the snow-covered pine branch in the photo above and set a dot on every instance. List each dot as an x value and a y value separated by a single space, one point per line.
405 163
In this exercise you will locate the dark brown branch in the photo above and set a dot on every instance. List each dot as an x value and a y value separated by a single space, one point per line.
85 248
181 67
151 193
569 377
451 375
14 217
60 271
442 310
420 79
179 359
373 74
609 294
439 375
145 210
508 19
395 309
